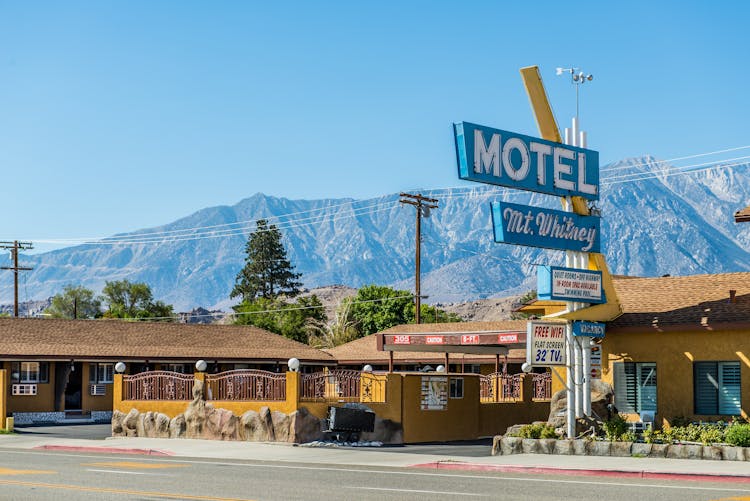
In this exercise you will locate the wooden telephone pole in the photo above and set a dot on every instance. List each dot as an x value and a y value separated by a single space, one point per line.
423 205
14 247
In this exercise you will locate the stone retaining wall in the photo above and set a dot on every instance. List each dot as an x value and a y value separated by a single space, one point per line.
21 418
517 445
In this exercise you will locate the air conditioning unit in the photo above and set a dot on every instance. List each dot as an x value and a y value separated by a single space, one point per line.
98 390
23 389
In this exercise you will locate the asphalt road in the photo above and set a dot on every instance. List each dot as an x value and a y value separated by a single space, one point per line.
40 475
85 431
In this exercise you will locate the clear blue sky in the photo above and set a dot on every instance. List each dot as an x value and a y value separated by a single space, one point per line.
116 116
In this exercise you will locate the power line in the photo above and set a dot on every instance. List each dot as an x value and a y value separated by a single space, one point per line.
679 158
372 206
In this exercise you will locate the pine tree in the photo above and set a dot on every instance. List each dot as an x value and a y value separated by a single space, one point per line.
267 272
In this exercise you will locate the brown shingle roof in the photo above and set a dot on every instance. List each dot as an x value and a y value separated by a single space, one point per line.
116 339
365 350
459 327
697 300
742 216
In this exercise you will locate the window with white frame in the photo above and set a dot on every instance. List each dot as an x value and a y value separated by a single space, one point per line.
635 386
717 388
181 368
30 372
101 373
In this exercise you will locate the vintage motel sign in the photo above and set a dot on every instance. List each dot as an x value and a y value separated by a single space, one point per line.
547 228
494 156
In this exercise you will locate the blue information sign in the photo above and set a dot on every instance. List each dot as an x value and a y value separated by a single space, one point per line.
588 329
547 228
494 156
569 284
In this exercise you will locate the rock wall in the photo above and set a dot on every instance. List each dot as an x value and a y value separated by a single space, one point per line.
518 445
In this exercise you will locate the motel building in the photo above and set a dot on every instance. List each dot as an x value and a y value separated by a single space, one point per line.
57 370
679 348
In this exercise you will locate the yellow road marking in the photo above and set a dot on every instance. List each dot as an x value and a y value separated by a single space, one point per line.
166 495
134 465
9 471
743 498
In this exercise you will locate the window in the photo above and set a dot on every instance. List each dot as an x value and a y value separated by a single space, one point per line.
457 387
181 368
635 387
717 388
30 372
101 373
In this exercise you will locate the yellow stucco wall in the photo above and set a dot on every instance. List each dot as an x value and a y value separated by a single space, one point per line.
94 403
495 418
3 397
43 401
674 354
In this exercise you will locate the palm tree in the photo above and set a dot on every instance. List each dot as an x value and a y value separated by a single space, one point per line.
338 331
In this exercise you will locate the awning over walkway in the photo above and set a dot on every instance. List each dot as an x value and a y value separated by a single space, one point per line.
455 338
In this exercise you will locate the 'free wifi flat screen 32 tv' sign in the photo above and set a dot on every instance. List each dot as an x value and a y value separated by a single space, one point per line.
499 157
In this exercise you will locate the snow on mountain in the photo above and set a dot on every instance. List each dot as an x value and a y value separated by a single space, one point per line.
668 224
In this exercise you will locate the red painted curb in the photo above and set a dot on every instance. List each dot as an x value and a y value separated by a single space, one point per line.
109 450
548 470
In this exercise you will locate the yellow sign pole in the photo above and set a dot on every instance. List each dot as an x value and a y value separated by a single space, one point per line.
545 120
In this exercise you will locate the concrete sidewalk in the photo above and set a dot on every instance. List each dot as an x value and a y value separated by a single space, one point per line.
675 469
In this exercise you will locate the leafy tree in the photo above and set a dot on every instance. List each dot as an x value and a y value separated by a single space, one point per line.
75 302
434 315
375 308
267 272
127 299
290 320
527 298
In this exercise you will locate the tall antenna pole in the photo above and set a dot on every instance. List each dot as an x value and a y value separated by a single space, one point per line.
579 347
423 205
14 247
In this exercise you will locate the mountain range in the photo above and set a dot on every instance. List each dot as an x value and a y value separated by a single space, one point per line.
656 220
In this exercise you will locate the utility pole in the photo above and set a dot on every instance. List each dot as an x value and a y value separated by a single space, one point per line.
423 205
14 247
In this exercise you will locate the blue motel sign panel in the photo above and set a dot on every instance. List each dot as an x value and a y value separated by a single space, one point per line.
569 284
499 157
547 228
584 328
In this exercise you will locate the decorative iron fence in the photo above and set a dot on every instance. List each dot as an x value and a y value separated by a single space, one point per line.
246 384
498 387
158 385
373 387
542 386
337 384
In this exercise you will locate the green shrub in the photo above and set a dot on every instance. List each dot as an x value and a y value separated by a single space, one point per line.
689 433
712 435
537 431
651 436
738 434
628 436
615 427
549 432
